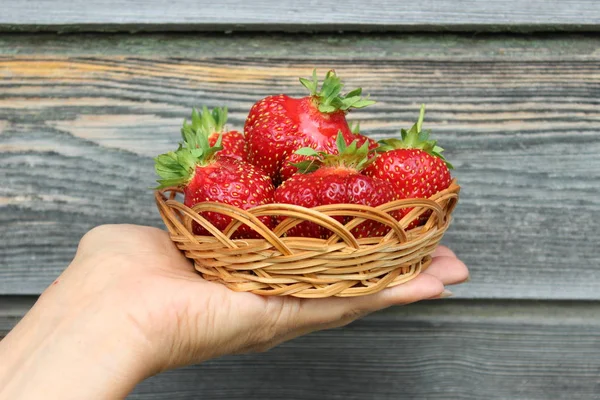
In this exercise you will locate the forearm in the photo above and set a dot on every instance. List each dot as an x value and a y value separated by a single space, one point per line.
66 355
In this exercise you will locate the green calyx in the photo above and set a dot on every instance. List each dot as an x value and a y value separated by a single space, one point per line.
330 98
349 156
414 138
204 123
177 168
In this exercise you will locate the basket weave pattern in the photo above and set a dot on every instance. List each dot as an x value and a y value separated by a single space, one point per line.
340 265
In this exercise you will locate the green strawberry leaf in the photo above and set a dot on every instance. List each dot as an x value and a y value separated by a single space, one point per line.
423 136
203 123
211 150
327 108
307 151
202 141
340 142
363 103
307 166
355 93
403 134
329 98
351 149
176 168
311 85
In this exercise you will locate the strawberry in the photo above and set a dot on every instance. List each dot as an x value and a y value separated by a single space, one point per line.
206 177
279 125
211 124
335 179
289 167
414 165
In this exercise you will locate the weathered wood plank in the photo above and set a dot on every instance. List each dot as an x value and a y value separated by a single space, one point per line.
542 47
431 350
233 15
78 133
457 351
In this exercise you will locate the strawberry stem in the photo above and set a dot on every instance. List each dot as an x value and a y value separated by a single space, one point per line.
421 117
204 124
349 156
330 98
414 138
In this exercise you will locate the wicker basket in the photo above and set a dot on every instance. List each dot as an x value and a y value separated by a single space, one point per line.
305 267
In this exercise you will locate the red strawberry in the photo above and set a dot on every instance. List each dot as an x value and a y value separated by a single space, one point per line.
222 179
336 180
289 164
211 125
413 164
279 125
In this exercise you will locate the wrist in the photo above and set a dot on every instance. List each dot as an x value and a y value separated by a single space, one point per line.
64 349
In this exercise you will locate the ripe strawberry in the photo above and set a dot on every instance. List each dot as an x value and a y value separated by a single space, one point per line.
335 179
414 165
211 125
289 165
205 177
279 125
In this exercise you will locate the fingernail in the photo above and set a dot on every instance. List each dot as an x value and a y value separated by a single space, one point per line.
446 293
467 280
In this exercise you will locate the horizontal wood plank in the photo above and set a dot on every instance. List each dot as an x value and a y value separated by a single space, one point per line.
408 358
431 350
288 15
78 132
426 351
253 45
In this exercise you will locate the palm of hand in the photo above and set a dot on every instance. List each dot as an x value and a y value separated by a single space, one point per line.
184 319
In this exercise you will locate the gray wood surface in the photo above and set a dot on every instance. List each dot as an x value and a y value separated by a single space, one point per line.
431 350
78 129
353 46
235 15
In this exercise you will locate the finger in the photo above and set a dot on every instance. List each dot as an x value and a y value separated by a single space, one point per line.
443 251
448 269
336 311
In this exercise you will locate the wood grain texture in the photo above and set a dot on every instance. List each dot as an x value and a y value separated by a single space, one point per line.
432 350
77 133
420 358
480 47
286 15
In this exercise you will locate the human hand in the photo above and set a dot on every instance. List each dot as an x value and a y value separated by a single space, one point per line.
131 287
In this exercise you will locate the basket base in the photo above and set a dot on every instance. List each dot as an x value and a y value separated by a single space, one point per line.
354 288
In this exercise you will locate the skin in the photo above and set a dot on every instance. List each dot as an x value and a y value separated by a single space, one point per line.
130 306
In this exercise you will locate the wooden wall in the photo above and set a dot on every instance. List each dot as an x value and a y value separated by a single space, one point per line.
83 112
